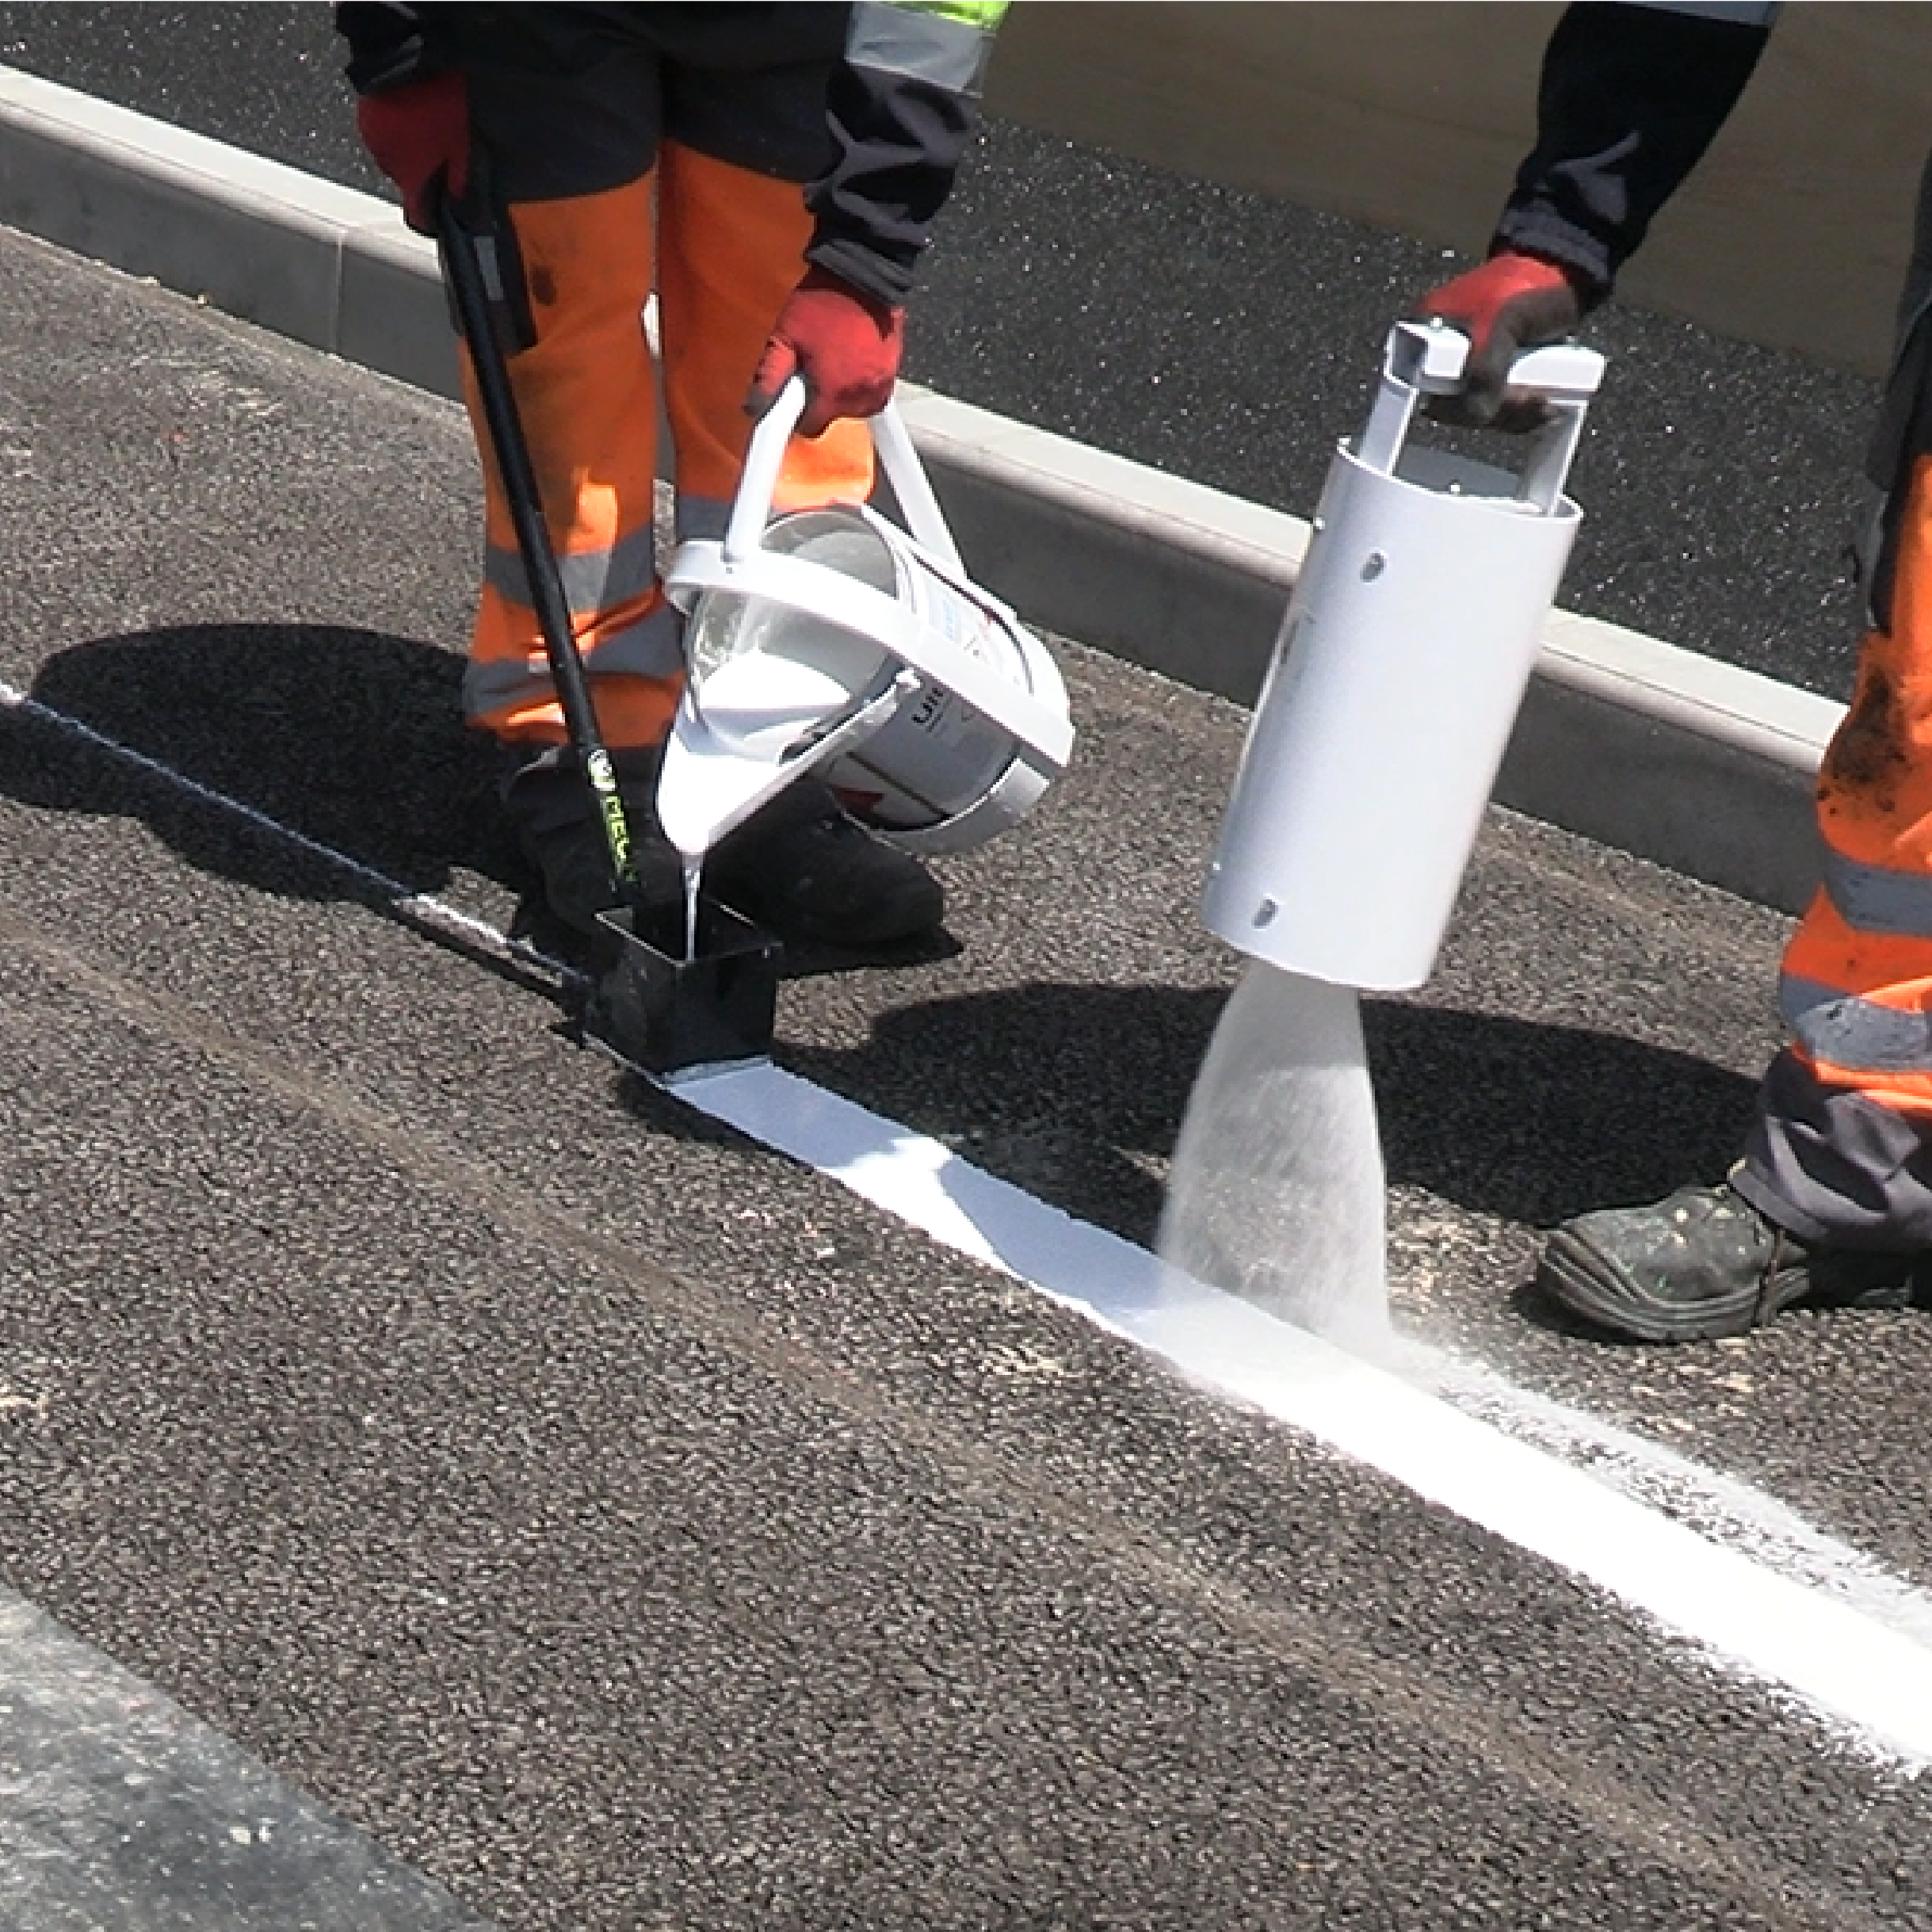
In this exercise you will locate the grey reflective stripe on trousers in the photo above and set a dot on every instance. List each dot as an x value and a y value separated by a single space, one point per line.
651 648
703 518
1876 899
1833 1165
593 580
951 54
1857 1034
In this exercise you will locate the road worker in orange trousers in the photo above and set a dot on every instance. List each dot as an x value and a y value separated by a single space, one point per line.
771 174
1831 1202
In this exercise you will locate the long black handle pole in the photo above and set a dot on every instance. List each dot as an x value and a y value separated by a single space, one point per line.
477 315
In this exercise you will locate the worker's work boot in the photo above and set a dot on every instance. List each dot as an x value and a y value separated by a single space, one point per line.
803 869
1705 1263
548 805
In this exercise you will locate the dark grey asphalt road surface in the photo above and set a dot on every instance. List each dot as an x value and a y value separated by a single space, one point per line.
1221 336
631 1529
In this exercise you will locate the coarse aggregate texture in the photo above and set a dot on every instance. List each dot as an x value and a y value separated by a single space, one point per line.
1223 336
631 1529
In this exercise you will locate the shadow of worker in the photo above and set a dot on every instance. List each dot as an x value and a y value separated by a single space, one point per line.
353 739
1076 1093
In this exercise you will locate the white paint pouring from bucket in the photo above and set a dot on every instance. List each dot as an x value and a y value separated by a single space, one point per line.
1277 1192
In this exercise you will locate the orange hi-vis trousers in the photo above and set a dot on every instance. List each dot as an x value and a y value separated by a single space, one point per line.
721 246
1842 1149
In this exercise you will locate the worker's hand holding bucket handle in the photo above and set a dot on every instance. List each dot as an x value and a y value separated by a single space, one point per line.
843 342
751 508
1512 303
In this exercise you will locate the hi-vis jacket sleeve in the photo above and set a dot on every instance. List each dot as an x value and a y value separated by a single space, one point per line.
905 103
1632 96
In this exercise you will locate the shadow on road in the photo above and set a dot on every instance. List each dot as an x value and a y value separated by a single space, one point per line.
1077 1092
354 738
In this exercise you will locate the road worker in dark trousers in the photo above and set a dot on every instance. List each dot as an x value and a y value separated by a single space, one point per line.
771 174
1831 1202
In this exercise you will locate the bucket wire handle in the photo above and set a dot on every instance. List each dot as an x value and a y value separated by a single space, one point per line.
751 508
906 475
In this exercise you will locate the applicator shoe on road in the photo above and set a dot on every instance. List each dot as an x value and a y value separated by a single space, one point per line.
801 867
1705 1263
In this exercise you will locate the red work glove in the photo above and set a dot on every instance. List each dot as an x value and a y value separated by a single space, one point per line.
847 344
418 134
1510 303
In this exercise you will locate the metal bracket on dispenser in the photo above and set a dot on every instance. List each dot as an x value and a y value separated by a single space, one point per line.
1430 357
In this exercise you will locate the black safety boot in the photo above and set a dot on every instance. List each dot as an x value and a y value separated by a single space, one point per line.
1704 1263
803 869
547 804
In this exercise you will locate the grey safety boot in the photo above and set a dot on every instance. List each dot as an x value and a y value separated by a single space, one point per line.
548 805
803 869
1705 1263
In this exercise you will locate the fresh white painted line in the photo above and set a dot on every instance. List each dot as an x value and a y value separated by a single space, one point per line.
1722 1507
1839 1634
1874 1677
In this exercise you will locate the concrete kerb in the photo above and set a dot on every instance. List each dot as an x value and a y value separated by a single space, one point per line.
1658 751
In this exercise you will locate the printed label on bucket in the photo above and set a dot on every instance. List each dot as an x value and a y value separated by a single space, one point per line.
936 757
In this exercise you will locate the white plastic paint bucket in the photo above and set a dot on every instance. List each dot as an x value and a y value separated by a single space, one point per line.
830 640
1401 664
